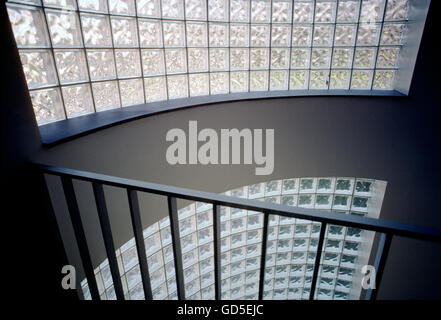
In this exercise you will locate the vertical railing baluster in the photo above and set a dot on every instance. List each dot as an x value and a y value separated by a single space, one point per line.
317 260
106 230
380 262
263 256
139 239
177 251
217 251
80 236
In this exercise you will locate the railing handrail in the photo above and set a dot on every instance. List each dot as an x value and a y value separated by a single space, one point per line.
319 215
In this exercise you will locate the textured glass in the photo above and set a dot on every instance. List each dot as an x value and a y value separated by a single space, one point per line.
96 30
124 32
38 67
250 45
28 26
131 92
71 65
47 105
64 29
106 95
78 100
101 64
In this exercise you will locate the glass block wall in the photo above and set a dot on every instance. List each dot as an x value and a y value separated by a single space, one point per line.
291 247
86 56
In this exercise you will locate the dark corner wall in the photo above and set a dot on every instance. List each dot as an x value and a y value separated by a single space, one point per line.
388 138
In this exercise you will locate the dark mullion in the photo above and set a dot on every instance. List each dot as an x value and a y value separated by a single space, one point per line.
140 246
80 235
263 255
177 251
317 260
217 252
108 238
379 264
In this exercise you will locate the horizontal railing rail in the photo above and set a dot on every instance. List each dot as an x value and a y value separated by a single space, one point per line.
387 228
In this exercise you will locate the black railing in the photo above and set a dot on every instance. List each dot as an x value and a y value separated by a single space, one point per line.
388 229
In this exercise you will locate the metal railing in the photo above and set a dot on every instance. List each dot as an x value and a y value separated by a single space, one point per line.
388 229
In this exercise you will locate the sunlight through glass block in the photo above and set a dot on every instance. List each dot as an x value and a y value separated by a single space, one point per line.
38 67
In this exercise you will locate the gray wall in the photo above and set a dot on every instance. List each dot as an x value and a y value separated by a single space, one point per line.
388 138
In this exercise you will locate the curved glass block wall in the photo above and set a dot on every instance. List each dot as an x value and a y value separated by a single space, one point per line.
291 247
86 56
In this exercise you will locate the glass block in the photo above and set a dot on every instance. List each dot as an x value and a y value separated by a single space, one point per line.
260 10
323 35
289 186
218 34
205 235
38 67
150 33
174 34
191 273
319 79
197 59
282 11
288 201
128 63
195 9
93 5
165 233
301 35
101 64
177 86
323 201
239 59
258 80
340 79
106 95
204 219
300 58
364 58
196 34
64 28
388 57
218 59
176 61
78 100
28 26
125 32
325 11
372 10
361 79
131 92
239 81
320 58
279 80
67 4
280 35
279 58
173 9
218 10
368 34
71 66
348 11
298 79
363 186
152 243
157 277
354 233
239 10
122 7
259 58
239 35
96 30
149 8
396 10
341 202
303 12
153 62
393 33
47 105
342 58
260 35
345 35
219 82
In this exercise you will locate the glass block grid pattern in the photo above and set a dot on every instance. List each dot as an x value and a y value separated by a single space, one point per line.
85 56
291 247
